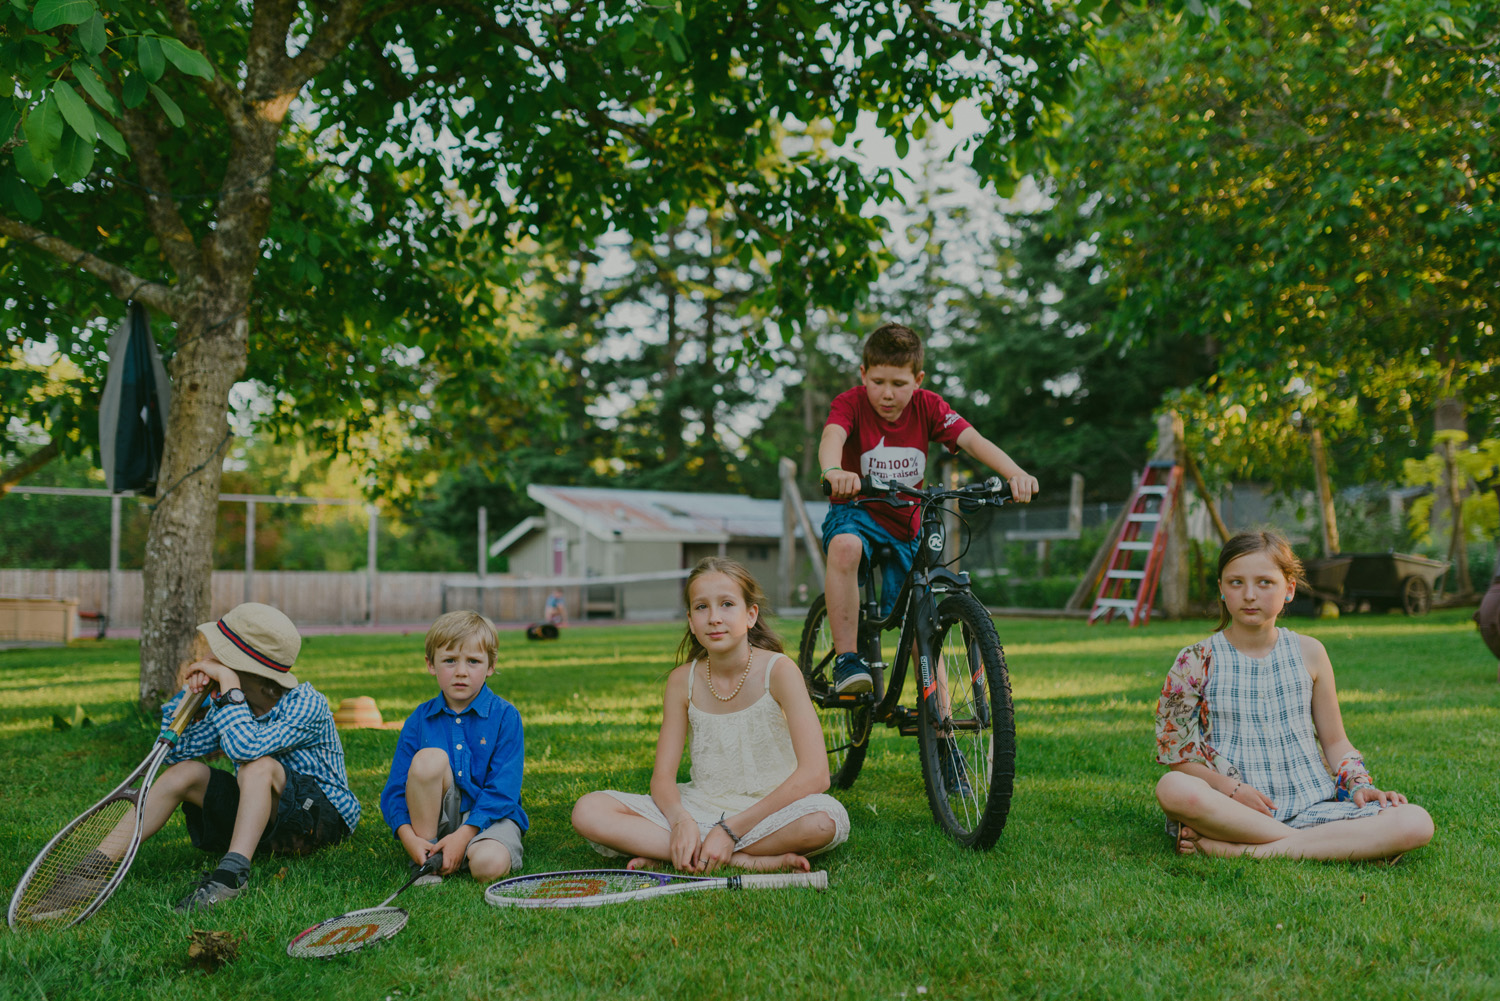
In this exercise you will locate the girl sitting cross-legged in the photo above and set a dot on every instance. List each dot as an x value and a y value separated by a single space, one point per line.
1241 720
759 769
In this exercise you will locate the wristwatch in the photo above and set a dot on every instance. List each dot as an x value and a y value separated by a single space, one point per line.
233 697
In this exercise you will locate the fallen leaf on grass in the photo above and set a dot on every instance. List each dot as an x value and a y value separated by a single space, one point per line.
212 950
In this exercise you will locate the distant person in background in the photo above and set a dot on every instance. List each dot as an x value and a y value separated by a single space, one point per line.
1488 615
555 611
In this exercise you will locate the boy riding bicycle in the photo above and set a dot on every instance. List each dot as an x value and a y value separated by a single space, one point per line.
882 428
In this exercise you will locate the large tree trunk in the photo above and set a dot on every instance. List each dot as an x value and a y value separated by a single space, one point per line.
179 553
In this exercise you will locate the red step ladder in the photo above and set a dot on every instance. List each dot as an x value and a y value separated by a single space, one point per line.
1124 589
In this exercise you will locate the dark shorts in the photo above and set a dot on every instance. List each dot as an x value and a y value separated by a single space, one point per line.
305 820
844 519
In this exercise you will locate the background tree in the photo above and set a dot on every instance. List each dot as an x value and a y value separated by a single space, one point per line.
355 175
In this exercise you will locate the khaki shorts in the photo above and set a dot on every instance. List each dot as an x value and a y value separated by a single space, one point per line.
507 831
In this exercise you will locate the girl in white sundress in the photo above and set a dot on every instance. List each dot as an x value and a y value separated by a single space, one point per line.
759 769
1241 721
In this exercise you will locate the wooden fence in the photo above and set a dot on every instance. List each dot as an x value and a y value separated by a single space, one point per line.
309 597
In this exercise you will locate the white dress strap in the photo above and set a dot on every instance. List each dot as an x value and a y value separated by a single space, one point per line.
692 670
772 663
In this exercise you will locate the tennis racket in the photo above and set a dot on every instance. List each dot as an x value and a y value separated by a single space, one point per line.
596 887
357 929
86 862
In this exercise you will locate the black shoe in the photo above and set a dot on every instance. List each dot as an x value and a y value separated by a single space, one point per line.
851 676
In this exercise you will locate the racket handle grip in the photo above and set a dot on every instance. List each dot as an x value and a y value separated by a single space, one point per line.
780 880
184 713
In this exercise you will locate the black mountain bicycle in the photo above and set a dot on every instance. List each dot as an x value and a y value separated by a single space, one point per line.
963 720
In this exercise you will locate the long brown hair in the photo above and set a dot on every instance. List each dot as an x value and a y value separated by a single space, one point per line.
761 634
1270 543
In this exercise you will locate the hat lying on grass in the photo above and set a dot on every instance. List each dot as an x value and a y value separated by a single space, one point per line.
256 639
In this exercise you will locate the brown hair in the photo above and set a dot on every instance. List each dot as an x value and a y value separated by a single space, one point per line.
1270 543
896 345
761 634
454 628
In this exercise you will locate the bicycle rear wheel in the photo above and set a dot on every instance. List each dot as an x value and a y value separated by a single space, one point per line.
969 756
846 732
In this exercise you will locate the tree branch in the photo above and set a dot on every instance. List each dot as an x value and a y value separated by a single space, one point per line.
121 281
334 35
229 101
36 460
161 210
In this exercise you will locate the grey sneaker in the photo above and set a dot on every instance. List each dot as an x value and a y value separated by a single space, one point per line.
210 891
74 889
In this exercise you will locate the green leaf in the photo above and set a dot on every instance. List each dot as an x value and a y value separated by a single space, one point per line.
153 63
190 61
44 128
51 13
36 169
75 111
110 134
20 196
174 113
75 158
92 35
134 90
94 87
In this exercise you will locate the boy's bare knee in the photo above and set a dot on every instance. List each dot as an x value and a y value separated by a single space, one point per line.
488 861
429 765
845 552
261 771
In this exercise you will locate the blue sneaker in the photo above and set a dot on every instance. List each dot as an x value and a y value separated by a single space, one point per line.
850 675
955 769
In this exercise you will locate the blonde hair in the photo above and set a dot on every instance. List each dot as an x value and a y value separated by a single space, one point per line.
455 628
761 634
1270 543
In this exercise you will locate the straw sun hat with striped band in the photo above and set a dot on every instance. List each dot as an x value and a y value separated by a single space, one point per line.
256 639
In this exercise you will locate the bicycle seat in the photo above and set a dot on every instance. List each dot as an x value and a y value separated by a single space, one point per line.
882 555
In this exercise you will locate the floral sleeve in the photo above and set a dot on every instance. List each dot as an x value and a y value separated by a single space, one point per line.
1351 776
1182 714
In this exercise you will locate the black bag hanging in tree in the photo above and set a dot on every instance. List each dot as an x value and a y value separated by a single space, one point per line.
133 410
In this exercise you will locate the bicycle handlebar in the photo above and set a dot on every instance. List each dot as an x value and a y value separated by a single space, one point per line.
991 491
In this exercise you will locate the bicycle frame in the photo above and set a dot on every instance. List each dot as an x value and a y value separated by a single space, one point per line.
915 612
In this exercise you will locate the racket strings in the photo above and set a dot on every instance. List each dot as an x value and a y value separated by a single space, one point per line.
79 868
563 886
347 932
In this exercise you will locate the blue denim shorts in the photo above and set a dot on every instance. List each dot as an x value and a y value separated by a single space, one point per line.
845 519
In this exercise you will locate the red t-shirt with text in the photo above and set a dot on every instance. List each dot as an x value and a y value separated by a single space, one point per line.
894 452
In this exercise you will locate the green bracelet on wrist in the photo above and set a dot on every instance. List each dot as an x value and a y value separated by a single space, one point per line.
830 468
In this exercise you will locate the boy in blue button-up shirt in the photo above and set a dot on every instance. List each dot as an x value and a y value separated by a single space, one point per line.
455 783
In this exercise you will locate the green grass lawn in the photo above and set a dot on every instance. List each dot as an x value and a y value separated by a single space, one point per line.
1080 898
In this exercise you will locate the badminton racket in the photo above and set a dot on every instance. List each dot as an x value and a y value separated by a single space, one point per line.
86 861
596 887
357 929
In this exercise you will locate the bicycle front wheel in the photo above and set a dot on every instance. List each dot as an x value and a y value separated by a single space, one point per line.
969 745
846 732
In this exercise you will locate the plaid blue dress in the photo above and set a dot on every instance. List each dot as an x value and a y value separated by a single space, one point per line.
1260 719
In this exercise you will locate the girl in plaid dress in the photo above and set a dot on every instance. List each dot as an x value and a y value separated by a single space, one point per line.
1242 720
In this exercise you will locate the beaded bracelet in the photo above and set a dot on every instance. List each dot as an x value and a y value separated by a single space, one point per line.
732 836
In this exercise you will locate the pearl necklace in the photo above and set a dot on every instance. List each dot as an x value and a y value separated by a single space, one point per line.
708 676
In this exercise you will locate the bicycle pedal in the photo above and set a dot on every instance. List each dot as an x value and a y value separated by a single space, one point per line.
848 700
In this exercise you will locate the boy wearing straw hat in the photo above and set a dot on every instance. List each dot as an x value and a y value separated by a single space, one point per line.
289 793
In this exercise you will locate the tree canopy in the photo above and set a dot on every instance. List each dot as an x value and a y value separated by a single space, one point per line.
329 199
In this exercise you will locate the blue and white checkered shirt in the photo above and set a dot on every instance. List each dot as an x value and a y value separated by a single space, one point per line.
298 732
